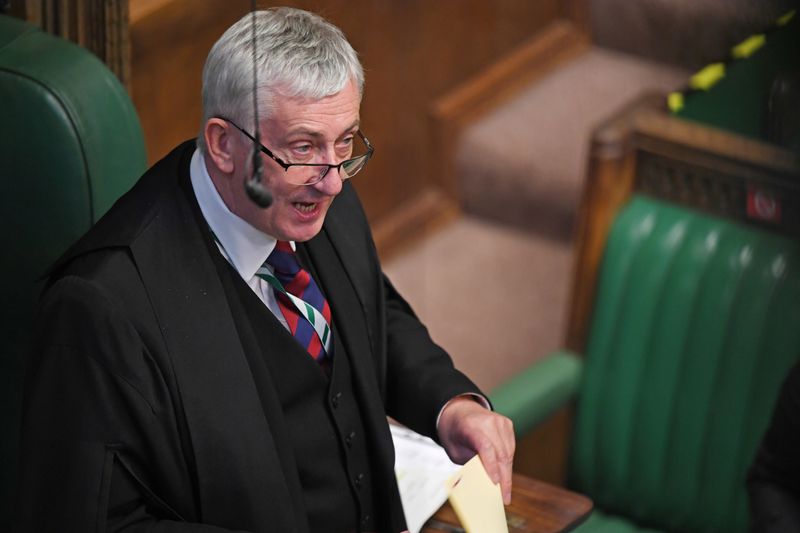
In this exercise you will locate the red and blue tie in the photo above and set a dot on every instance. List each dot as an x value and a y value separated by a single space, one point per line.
303 306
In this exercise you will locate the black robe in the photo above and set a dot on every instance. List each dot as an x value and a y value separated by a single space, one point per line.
137 370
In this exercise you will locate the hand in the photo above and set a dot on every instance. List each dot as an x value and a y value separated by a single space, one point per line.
467 428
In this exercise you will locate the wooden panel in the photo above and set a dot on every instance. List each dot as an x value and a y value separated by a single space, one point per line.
413 52
169 44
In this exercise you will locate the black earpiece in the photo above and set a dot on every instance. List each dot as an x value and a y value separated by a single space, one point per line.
255 190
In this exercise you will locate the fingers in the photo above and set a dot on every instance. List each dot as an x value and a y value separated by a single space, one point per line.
505 482
499 472
467 428
506 445
497 454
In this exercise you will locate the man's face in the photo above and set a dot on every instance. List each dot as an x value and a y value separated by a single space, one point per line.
301 130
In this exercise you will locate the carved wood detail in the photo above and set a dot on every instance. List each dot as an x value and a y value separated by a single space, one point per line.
100 26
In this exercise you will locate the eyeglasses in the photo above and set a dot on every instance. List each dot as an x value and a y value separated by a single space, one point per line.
298 173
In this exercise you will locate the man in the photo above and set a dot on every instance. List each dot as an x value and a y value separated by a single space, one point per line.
204 364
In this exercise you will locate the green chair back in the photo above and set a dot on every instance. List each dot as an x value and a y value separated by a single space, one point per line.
696 322
70 145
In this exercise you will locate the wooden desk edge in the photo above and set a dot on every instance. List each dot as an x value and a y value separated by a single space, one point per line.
544 508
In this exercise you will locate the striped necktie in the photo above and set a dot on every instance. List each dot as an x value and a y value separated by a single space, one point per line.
303 306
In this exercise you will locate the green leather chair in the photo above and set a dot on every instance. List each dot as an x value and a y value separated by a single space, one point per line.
696 321
70 145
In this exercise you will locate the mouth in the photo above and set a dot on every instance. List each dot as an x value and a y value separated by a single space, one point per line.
309 211
305 207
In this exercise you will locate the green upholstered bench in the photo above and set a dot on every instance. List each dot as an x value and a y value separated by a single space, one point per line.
696 321
70 145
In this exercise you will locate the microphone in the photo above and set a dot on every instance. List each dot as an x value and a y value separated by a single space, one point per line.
255 190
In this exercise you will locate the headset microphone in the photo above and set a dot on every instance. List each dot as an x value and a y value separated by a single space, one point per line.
256 190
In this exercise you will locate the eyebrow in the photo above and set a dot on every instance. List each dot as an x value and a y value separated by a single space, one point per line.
316 134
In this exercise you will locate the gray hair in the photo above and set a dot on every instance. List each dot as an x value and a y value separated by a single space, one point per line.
298 53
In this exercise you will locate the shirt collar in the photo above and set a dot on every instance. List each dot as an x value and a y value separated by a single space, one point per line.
246 247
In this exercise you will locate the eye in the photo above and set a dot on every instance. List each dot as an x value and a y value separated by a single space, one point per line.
302 149
345 145
302 152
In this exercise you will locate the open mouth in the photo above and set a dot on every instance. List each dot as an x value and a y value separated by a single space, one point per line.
305 207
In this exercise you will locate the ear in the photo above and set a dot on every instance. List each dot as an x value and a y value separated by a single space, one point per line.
220 144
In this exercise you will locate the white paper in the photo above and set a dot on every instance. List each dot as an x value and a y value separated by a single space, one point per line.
421 467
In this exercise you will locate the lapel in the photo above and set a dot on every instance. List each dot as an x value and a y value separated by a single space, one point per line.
347 275
238 467
347 308
345 240
281 342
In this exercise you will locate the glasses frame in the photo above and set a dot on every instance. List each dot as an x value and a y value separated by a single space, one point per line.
327 167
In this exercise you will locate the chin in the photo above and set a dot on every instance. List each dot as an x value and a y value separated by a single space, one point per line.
303 234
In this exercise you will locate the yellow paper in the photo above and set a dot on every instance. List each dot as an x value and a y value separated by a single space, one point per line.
476 500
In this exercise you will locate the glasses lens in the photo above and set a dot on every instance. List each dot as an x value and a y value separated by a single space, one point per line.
351 167
302 174
305 174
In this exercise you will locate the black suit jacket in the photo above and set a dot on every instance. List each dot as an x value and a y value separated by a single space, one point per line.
138 369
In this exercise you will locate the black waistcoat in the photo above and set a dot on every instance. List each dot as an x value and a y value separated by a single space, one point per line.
321 414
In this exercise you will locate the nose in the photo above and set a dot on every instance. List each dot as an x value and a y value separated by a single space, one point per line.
331 184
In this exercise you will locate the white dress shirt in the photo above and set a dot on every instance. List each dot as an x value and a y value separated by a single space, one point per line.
245 247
